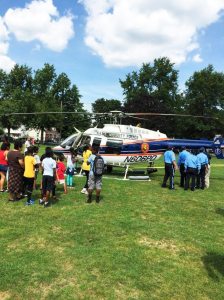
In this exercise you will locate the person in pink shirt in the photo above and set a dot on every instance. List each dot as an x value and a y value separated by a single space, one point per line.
3 165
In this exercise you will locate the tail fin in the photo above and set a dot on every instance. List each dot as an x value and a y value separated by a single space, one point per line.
218 147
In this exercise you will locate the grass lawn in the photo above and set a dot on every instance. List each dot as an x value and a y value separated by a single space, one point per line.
140 242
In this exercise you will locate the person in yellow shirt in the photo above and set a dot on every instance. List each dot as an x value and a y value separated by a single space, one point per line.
86 168
29 175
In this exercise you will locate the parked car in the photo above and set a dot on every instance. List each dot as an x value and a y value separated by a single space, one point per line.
50 142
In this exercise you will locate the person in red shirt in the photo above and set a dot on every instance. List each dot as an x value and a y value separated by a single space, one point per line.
3 165
60 171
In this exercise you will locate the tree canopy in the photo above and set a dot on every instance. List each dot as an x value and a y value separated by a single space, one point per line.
25 91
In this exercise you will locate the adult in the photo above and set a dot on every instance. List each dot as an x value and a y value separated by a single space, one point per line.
95 181
208 170
192 168
181 160
27 144
170 167
203 159
16 169
3 165
85 167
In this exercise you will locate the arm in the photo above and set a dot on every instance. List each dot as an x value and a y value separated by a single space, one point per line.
21 162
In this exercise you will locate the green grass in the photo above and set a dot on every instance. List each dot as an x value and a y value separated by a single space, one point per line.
140 242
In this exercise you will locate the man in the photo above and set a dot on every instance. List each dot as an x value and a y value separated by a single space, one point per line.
170 167
95 174
192 168
203 159
27 144
182 157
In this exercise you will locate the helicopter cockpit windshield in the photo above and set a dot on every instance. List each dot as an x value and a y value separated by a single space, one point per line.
69 141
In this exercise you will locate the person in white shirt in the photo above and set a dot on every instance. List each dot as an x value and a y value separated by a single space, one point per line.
27 144
49 176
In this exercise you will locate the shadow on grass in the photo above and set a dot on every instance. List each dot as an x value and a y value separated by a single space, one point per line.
220 211
214 265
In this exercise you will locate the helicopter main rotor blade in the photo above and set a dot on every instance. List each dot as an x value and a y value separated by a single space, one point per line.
170 115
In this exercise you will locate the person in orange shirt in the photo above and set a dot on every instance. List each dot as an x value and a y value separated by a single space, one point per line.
29 175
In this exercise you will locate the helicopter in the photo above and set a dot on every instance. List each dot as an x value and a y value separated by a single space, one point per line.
123 145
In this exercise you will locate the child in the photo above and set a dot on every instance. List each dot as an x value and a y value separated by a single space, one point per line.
86 168
60 172
29 174
70 171
37 159
49 176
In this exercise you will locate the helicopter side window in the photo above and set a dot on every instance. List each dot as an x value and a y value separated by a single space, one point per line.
113 146
96 142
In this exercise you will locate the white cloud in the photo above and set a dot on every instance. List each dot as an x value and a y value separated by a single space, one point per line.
6 63
40 21
130 32
197 58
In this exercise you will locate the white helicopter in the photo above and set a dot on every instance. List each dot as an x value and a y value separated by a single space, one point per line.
122 145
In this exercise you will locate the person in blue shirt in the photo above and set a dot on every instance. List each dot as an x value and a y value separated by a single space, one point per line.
170 167
94 181
192 168
203 159
181 160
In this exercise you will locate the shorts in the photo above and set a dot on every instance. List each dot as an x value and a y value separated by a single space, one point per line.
28 183
95 182
3 168
61 181
47 183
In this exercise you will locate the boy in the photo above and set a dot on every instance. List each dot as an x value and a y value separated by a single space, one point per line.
95 181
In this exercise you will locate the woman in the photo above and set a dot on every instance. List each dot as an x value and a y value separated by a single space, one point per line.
86 168
16 170
3 165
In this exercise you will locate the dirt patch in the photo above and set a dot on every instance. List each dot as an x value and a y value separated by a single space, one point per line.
5 295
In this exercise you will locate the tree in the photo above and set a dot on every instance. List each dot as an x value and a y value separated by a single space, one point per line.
153 89
16 95
43 93
105 106
204 96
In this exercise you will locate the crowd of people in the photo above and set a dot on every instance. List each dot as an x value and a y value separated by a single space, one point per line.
194 168
19 171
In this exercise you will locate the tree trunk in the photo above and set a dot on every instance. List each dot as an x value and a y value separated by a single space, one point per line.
8 129
42 135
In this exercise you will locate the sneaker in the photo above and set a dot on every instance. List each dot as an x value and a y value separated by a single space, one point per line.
29 203
89 199
83 191
97 199
86 193
46 204
41 201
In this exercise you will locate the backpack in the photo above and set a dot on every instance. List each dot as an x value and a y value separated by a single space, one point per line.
98 166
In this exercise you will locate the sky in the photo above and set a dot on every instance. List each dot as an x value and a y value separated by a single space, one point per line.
98 42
